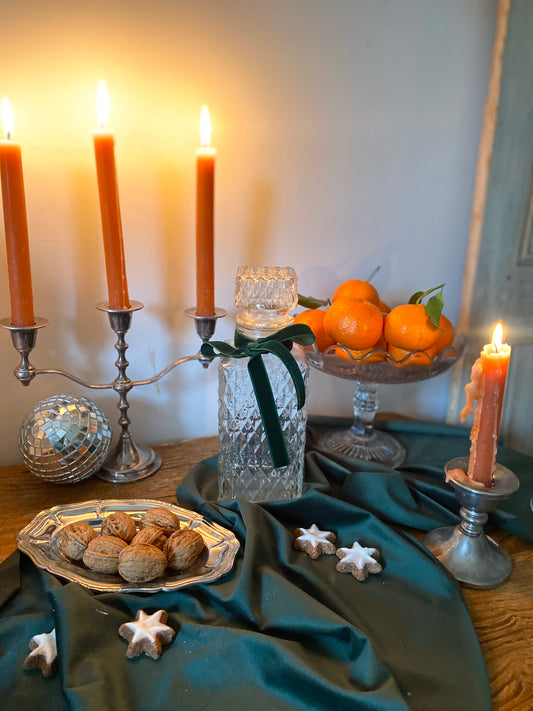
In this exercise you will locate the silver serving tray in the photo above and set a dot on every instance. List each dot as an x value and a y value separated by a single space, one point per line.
38 541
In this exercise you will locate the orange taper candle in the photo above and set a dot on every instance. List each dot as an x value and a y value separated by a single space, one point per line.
16 225
205 207
487 385
104 151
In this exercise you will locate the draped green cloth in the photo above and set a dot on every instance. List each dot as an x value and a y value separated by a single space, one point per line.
280 631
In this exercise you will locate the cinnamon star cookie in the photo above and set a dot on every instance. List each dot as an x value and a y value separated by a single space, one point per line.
147 634
358 561
314 542
44 653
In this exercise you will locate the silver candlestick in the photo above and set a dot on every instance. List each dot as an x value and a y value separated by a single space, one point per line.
128 461
473 558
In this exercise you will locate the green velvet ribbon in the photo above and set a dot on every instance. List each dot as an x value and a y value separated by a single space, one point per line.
279 344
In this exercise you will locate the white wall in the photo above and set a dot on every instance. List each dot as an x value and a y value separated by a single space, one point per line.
347 133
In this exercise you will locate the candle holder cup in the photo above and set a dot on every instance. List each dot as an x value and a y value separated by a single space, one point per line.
128 461
24 339
473 558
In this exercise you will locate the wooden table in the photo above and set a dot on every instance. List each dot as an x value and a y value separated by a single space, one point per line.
503 617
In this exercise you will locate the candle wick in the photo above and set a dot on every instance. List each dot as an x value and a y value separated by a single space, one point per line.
8 135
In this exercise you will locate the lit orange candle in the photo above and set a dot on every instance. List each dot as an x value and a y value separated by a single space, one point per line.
205 209
16 225
104 151
489 374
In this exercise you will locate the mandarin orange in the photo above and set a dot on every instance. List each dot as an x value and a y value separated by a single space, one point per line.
362 354
354 323
446 335
420 358
314 318
357 289
408 326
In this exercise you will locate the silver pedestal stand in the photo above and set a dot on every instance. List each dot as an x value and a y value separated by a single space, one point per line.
128 461
473 558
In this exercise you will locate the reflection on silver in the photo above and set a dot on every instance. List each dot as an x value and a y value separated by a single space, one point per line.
38 541
474 559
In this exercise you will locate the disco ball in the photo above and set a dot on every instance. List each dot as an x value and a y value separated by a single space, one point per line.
65 438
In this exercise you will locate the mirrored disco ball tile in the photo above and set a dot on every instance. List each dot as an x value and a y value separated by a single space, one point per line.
65 438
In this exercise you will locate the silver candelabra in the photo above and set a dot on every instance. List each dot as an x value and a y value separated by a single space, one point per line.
128 461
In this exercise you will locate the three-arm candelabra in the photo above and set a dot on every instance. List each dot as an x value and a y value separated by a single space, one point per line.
128 461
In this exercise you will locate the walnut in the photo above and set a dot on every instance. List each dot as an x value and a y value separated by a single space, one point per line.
159 516
119 524
183 548
152 535
102 554
140 563
74 538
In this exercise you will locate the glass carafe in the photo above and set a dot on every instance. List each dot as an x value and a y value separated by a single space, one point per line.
264 296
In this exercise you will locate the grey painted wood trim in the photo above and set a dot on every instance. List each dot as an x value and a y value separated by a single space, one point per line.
490 119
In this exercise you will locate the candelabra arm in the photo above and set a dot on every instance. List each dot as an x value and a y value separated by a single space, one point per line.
170 367
74 378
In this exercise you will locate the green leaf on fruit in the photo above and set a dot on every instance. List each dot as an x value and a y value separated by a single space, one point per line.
417 297
310 302
433 306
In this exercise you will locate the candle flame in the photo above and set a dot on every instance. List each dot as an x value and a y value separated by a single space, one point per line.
497 336
7 117
205 127
102 104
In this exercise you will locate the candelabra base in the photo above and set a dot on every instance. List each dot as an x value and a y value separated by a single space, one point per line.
473 558
129 462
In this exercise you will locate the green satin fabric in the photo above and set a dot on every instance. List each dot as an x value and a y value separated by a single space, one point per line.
280 632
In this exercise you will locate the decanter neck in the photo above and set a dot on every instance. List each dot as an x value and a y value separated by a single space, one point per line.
258 323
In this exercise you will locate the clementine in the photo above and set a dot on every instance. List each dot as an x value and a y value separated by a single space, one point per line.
354 323
420 358
408 326
357 289
446 335
362 355
314 318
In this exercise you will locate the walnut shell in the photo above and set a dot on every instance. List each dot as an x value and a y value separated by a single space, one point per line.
119 524
152 536
140 563
183 548
159 516
74 538
102 554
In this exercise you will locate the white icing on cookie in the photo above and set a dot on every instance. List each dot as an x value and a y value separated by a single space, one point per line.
314 535
358 555
147 627
44 645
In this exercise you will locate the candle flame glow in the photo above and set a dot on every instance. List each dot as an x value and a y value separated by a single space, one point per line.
102 104
7 117
497 336
205 127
